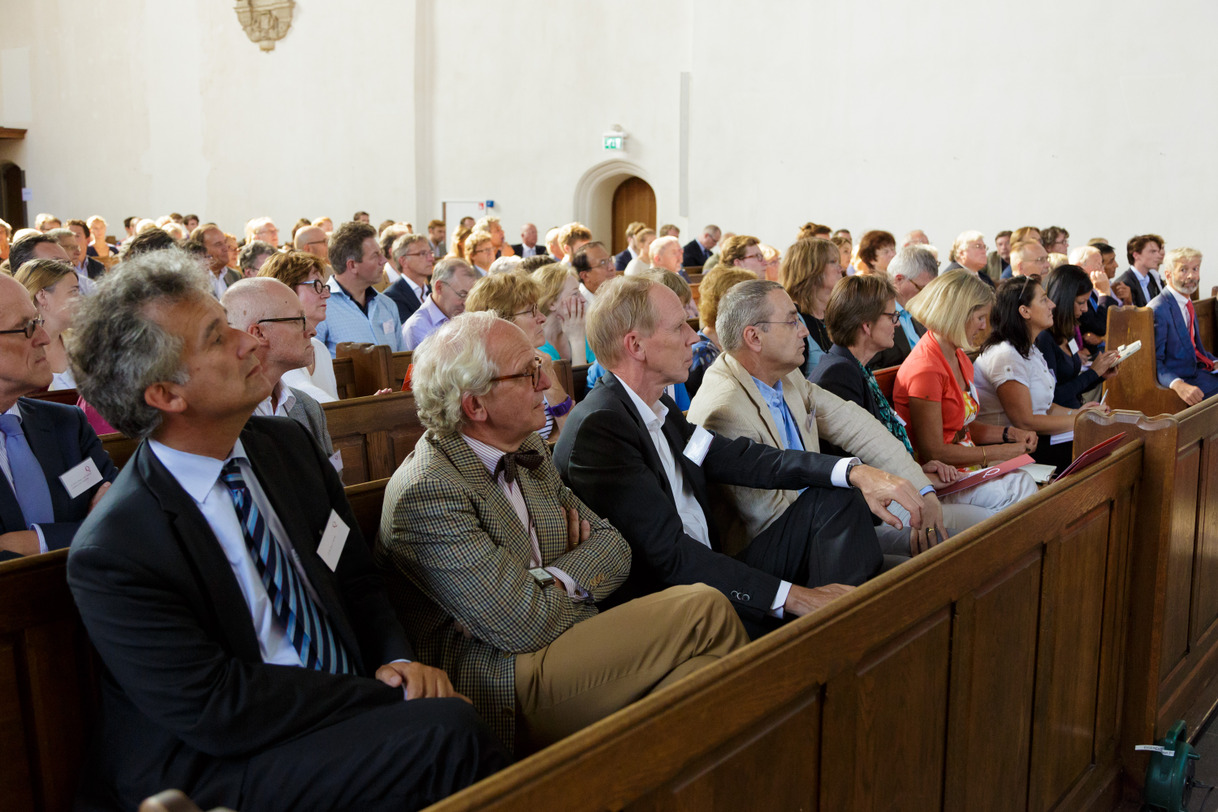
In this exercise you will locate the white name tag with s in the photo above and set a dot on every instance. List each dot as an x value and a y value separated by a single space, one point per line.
698 445
1073 345
333 539
336 459
79 479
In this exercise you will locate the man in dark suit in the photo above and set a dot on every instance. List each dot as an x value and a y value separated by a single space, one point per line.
632 247
1145 254
911 269
216 244
528 247
699 250
252 657
1181 361
43 441
631 456
413 258
91 266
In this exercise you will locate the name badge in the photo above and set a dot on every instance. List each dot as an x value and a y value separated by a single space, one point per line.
897 416
79 479
1073 345
336 459
387 327
698 445
333 540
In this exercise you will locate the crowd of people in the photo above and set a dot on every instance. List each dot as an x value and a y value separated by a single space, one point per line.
540 562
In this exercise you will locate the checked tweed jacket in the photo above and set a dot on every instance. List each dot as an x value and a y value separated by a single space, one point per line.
456 559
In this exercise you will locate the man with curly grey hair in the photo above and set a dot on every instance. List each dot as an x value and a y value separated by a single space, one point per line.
252 657
499 566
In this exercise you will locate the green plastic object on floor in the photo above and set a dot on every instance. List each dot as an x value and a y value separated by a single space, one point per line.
1169 776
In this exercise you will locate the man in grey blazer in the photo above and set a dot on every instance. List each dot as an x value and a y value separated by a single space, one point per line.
271 312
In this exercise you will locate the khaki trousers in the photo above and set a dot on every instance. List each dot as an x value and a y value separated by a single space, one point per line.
608 661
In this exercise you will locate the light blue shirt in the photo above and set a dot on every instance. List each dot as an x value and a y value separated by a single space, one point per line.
345 321
907 325
782 415
422 323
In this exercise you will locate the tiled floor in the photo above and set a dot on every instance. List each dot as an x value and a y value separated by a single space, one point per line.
1206 745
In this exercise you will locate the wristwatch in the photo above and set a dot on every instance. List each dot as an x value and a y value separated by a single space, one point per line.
850 466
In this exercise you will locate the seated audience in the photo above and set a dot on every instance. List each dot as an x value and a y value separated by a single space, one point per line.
1069 288
356 312
1055 239
911 270
491 225
410 255
698 250
501 569
1027 257
845 248
304 273
559 298
451 281
571 238
35 246
773 260
253 256
1145 255
998 263
42 441
593 264
514 298
631 251
505 265
457 249
241 666
1093 321
969 252
313 240
54 289
742 251
1014 382
552 246
755 390
528 246
809 271
82 261
935 397
915 237
147 241
641 261
480 252
876 250
1181 361
212 239
631 455
714 285
272 313
262 228
46 222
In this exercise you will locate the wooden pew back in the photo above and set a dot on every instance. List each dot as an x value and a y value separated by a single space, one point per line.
344 378
1135 387
369 366
887 379
1207 323
374 434
399 368
984 674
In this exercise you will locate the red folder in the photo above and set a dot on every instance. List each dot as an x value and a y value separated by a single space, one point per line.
984 475
1093 454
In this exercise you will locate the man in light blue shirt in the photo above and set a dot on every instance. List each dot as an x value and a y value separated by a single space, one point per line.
356 312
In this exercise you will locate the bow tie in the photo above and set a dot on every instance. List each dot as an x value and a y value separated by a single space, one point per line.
509 462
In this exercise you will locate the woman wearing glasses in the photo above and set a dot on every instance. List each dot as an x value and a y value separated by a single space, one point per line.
934 393
55 291
809 271
513 297
1014 381
305 274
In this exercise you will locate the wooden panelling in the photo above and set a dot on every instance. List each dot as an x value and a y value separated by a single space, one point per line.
374 434
1135 385
369 366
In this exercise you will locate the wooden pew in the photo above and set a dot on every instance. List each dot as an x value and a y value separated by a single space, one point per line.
1207 323
344 378
374 434
369 365
1135 386
399 368
1173 651
67 397
579 382
365 499
120 447
887 378
984 674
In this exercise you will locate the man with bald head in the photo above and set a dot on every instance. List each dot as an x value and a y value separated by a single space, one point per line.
1104 294
915 237
271 312
1028 257
313 240
666 254
528 245
43 441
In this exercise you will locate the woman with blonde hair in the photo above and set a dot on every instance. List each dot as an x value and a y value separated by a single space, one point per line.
55 290
559 298
935 397
514 298
808 273
457 249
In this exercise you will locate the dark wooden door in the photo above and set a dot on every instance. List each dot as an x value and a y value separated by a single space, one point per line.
12 207
632 200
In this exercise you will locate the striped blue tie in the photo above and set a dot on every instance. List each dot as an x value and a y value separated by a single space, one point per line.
308 629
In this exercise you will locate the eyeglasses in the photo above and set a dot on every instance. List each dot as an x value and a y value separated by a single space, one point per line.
29 328
753 256
792 323
285 320
318 286
604 263
534 373
531 312
893 315
426 253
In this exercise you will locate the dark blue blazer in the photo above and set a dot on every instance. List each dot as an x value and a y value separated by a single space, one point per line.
60 438
1067 368
1135 287
622 260
695 255
1174 356
403 295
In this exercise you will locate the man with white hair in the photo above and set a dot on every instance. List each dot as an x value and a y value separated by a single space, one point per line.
915 237
1094 321
1028 257
313 240
451 281
503 572
271 312
911 270
666 254
969 252
528 247
1181 361
262 228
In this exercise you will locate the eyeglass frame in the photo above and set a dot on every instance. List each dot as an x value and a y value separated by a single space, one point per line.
792 323
29 328
531 312
304 324
534 373
319 287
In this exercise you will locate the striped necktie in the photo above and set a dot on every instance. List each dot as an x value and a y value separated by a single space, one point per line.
303 622
29 482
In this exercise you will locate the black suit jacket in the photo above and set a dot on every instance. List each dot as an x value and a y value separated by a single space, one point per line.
1135 287
606 456
695 255
1095 319
186 698
519 249
404 296
622 260
61 438
838 372
899 351
95 267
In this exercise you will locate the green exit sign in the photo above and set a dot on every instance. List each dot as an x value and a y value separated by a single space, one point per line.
615 142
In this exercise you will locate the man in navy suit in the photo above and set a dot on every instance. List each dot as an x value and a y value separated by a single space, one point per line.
632 246
411 254
252 656
40 438
1145 254
699 250
1181 362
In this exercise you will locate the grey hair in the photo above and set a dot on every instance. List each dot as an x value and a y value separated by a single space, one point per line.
912 261
505 265
451 362
252 250
446 268
744 304
117 350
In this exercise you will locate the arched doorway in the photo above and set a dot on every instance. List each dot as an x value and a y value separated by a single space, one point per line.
595 196
633 200
12 206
